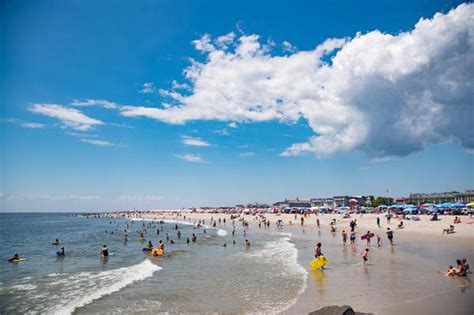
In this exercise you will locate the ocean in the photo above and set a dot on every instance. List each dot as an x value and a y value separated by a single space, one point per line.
191 278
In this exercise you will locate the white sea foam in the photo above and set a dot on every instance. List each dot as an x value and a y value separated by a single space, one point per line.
221 232
24 287
97 285
285 254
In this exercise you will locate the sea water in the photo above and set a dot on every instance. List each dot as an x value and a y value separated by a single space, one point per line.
198 277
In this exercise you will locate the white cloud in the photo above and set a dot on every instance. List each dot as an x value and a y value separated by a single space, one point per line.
196 158
288 47
91 102
384 94
179 86
70 117
140 198
25 124
246 154
101 143
222 132
147 88
197 142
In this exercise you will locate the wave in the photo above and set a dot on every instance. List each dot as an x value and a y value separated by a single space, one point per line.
62 293
283 255
221 232
109 282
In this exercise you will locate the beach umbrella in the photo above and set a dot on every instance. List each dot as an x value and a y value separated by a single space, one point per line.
427 204
458 205
470 205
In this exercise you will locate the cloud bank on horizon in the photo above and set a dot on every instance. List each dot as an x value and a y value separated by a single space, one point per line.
386 95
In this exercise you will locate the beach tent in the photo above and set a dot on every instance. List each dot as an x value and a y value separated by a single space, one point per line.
444 205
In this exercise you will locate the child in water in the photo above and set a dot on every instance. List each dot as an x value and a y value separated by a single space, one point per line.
365 255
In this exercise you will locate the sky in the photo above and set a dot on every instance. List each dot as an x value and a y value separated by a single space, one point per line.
170 104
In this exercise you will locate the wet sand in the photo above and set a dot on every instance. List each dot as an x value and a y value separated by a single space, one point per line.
401 278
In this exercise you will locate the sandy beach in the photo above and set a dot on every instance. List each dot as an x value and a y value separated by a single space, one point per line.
406 276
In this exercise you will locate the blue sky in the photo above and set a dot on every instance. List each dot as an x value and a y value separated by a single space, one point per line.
102 108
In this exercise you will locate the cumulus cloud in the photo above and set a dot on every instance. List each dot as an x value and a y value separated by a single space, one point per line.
196 158
147 88
288 47
91 102
197 142
383 94
70 117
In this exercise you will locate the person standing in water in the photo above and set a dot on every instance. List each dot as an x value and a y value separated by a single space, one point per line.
353 237
247 244
61 252
390 236
344 237
104 252
365 255
317 251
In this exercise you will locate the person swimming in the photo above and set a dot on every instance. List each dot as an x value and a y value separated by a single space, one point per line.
55 242
14 258
104 252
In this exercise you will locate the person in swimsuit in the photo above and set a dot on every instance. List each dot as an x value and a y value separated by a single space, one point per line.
247 244
390 236
61 252
365 255
104 252
353 237
14 258
344 237
317 251
55 242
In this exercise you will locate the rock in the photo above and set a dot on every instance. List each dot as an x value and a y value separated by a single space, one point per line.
337 310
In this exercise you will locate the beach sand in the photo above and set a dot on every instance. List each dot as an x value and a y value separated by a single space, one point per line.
404 278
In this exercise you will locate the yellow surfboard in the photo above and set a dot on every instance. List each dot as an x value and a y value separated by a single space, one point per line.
317 263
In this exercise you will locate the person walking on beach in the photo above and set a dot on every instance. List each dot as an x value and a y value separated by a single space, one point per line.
317 222
390 236
365 255
344 237
379 241
302 221
378 221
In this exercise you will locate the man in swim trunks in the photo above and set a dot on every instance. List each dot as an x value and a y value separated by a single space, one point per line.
61 252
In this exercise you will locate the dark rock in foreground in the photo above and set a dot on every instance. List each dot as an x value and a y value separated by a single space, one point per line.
337 310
